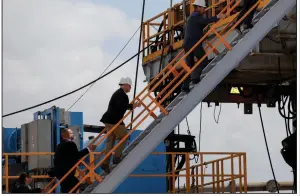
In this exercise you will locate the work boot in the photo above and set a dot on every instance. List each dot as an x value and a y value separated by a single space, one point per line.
245 28
117 160
105 168
195 81
185 89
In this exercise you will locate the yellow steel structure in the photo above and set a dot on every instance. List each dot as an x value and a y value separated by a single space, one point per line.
179 77
5 174
148 100
176 14
214 168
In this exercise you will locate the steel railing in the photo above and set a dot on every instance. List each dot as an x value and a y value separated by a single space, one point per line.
147 100
169 22
214 168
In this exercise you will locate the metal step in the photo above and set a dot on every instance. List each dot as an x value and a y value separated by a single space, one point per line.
183 104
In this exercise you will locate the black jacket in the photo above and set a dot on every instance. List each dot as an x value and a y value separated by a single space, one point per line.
118 104
193 30
66 156
24 188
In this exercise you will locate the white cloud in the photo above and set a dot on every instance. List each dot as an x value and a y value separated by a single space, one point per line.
52 47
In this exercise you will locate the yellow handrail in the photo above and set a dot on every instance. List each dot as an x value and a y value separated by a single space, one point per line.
148 22
170 69
190 172
147 38
146 25
6 166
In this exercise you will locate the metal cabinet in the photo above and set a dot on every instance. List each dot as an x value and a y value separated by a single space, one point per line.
24 141
39 140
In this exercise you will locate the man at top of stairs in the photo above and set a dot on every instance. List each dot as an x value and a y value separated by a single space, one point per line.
193 32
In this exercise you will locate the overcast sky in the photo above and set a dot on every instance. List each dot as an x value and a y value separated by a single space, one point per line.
53 46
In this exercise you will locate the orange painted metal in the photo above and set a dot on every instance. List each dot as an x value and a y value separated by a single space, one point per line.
217 175
158 80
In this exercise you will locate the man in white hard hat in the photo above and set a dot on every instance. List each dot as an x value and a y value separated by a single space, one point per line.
117 107
193 32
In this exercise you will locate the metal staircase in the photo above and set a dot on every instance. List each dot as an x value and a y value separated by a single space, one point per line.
183 104
212 75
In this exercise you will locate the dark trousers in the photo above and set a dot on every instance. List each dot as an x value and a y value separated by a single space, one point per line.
190 60
68 184
248 4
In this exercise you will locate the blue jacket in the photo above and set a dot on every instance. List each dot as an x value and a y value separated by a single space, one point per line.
193 30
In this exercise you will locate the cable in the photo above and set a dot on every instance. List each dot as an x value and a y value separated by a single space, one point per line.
200 127
154 27
283 102
80 88
286 125
105 68
138 59
265 138
189 133
217 120
187 124
273 40
281 98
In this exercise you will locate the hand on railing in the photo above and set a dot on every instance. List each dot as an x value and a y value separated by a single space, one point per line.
137 104
92 147
221 16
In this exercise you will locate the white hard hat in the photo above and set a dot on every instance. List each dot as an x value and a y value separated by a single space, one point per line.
125 80
200 3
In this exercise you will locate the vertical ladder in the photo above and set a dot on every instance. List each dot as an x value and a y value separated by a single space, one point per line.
213 74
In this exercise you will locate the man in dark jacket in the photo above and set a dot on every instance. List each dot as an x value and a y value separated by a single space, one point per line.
246 24
22 186
66 156
118 105
192 34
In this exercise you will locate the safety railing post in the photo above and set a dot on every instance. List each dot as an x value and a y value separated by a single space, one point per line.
240 173
222 39
228 8
218 176
222 176
164 28
232 174
211 46
92 157
188 171
148 40
197 179
143 39
213 177
169 25
213 9
202 173
6 174
245 173
173 173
